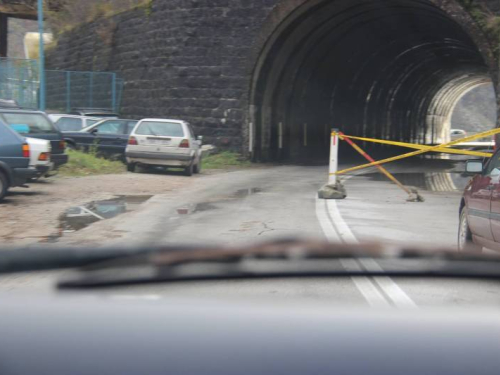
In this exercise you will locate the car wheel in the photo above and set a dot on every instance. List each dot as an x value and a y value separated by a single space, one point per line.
3 185
465 242
197 167
188 171
131 167
71 146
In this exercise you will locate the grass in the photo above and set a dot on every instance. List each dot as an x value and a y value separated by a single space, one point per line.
86 164
226 159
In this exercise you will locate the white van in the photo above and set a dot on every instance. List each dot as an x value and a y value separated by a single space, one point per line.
162 142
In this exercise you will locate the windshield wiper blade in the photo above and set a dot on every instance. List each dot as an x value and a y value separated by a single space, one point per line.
41 259
270 269
292 258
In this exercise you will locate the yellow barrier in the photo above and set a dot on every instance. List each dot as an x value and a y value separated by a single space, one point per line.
423 147
420 151
412 197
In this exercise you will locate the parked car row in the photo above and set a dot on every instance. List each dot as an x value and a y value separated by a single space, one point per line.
31 146
148 142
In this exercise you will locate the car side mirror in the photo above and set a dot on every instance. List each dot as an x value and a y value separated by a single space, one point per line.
474 166
94 131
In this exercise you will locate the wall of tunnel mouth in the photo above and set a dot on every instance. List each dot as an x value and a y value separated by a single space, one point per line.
391 69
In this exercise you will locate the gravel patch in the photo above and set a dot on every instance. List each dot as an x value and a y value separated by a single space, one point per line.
30 216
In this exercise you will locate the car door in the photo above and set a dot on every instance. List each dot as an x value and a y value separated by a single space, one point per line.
480 199
109 136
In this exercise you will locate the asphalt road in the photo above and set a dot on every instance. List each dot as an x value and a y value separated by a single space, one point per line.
280 202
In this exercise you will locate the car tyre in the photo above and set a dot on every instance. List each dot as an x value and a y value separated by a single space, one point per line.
197 167
465 242
4 185
131 167
188 171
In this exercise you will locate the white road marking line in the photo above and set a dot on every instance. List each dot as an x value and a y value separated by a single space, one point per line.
338 225
364 285
400 298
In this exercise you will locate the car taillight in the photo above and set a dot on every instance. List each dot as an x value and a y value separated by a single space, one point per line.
184 143
132 141
44 156
26 151
62 145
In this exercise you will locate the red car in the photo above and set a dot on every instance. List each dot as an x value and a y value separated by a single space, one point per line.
480 207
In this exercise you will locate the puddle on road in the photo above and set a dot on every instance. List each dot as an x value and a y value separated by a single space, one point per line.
444 182
79 217
208 206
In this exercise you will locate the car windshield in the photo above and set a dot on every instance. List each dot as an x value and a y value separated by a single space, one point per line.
92 122
165 129
90 127
29 123
335 150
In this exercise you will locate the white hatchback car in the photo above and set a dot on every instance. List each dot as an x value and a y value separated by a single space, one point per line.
166 143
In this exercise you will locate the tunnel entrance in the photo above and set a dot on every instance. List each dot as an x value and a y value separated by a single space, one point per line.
391 69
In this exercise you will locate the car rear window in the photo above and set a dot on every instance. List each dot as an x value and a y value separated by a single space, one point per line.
29 123
164 129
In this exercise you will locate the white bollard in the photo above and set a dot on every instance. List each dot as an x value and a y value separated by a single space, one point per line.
334 188
334 157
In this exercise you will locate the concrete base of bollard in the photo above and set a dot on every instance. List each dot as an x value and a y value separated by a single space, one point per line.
336 191
415 196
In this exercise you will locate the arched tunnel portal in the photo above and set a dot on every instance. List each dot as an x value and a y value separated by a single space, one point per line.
391 69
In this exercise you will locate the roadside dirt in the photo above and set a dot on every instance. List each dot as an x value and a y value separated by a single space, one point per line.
30 216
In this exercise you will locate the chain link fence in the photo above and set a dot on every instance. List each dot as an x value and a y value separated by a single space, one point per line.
19 80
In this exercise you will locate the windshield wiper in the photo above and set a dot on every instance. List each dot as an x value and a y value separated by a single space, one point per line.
278 259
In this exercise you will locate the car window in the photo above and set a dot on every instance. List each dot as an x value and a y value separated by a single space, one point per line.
67 124
493 165
130 126
191 132
165 129
29 123
92 122
109 127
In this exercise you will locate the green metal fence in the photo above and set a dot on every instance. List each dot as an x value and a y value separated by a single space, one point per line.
19 80
64 89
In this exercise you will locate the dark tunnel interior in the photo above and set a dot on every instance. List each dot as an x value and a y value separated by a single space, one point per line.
391 69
